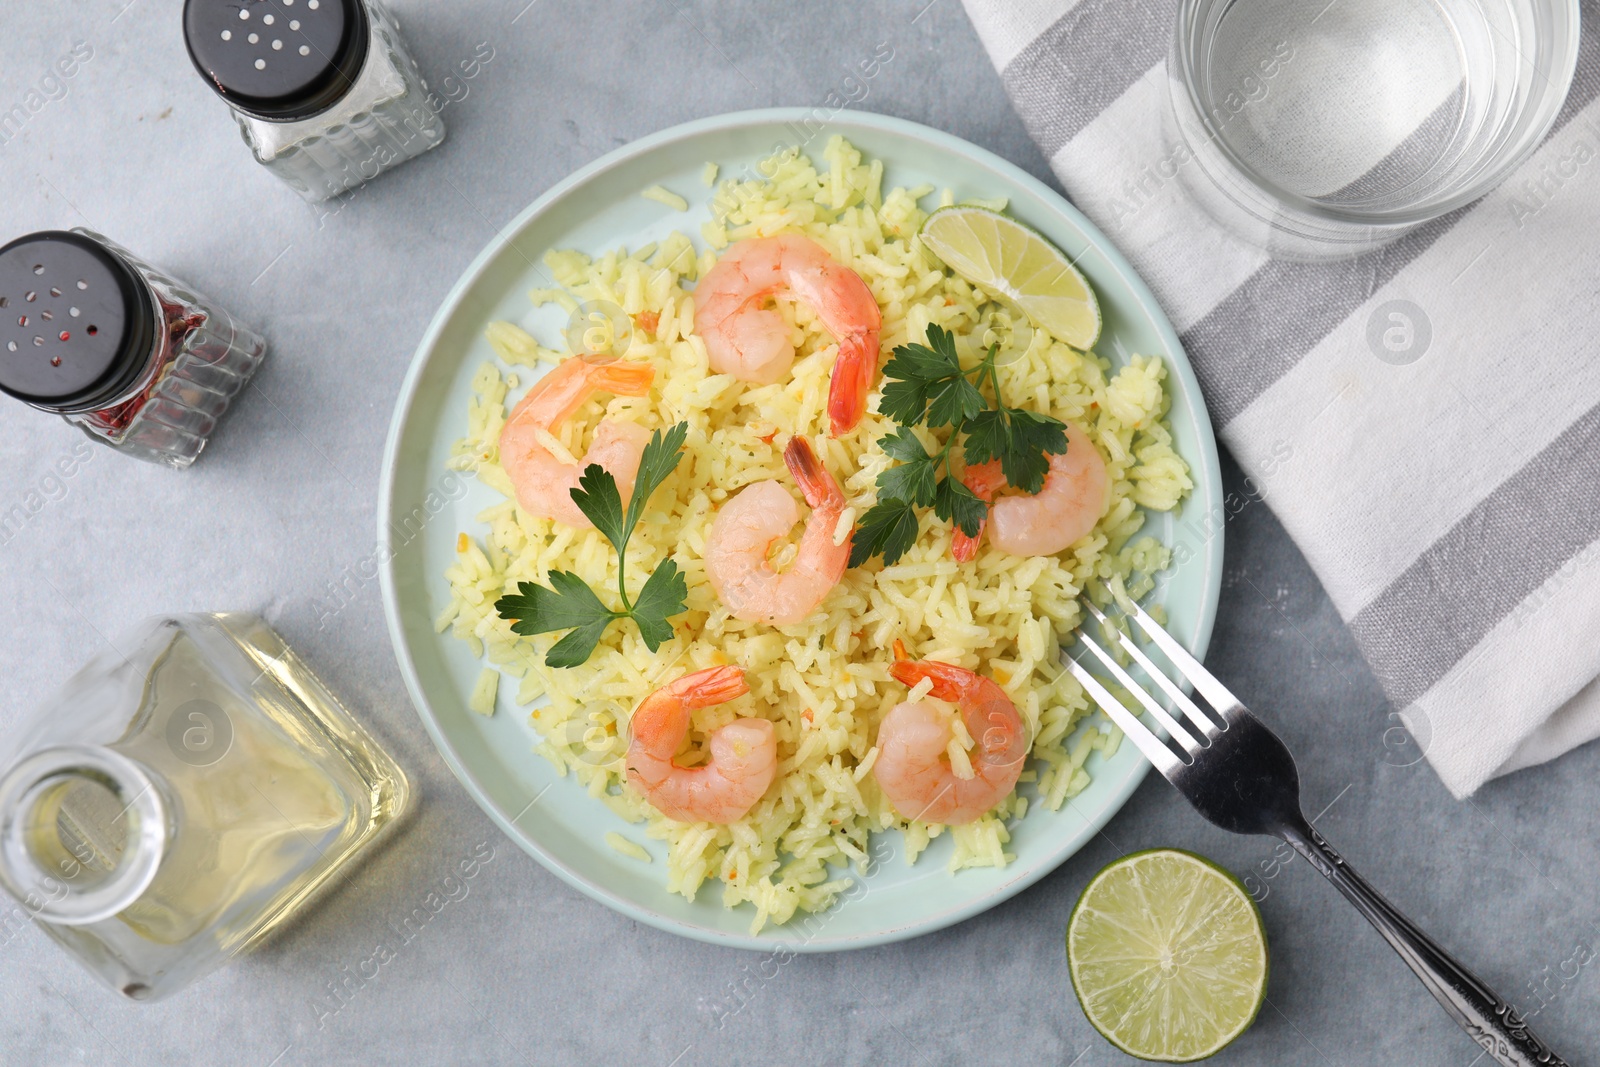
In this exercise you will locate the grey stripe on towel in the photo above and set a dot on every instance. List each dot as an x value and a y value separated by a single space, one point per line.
1471 578
1086 59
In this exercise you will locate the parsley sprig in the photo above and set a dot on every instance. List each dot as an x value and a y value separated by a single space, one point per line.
926 384
569 604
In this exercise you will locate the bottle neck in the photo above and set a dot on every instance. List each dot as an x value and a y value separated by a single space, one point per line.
83 830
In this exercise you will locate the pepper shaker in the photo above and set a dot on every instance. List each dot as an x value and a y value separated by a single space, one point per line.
325 92
132 357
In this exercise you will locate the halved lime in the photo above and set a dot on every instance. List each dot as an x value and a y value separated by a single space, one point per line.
1006 259
1168 955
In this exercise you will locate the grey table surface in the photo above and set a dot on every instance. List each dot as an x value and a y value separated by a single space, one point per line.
525 969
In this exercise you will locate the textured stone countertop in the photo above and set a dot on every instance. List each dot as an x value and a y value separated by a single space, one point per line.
524 969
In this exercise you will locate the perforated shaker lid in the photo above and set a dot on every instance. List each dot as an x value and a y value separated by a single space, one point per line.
277 59
76 321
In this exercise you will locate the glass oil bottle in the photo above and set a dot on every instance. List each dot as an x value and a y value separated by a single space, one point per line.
172 808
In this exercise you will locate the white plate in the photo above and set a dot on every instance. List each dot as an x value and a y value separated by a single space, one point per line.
422 508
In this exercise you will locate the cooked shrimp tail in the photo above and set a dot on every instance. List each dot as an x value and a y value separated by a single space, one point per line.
744 530
710 687
611 375
948 679
816 484
563 390
744 753
853 375
913 769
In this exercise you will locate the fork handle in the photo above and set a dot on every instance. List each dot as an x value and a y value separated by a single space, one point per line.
1487 1018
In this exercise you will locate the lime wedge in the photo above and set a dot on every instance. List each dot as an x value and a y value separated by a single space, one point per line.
1167 955
1010 261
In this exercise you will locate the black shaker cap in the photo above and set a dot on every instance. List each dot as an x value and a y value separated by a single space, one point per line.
77 324
277 59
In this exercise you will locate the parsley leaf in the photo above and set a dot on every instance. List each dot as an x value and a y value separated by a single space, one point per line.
575 649
663 596
1034 439
936 359
954 402
1021 440
987 437
659 460
597 497
570 603
904 446
539 610
888 528
918 374
913 479
954 502
926 383
904 400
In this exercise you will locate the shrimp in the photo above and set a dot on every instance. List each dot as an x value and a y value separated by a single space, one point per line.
752 343
913 738
743 532
1067 506
543 482
744 753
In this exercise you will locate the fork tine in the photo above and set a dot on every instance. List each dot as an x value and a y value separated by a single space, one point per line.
1204 681
1165 760
1207 725
1190 744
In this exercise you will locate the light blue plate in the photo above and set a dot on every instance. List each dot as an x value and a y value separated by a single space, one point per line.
422 509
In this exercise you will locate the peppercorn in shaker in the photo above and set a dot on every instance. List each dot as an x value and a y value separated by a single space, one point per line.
325 92
129 355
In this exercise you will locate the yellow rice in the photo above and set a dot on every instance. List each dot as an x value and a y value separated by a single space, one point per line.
824 683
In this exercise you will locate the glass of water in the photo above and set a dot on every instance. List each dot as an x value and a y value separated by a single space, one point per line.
1324 129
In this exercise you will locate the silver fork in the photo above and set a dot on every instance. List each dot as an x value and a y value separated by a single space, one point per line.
1238 774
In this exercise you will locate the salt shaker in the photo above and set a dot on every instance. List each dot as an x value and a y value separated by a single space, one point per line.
172 808
325 92
131 356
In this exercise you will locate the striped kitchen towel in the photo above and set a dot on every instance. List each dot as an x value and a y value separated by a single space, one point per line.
1424 419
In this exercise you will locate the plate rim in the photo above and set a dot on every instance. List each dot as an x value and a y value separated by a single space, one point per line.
1210 556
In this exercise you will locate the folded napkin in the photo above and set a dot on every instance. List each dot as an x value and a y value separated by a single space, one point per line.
1425 419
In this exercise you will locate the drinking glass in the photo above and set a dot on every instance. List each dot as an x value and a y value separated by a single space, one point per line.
1324 129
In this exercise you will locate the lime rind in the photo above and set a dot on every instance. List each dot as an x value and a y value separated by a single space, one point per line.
1017 265
1168 956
